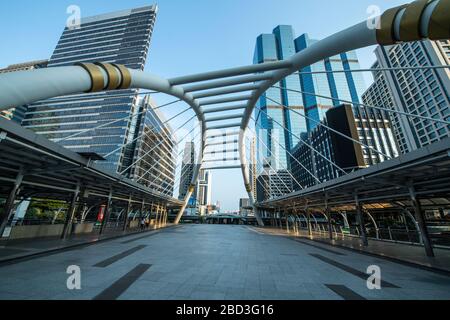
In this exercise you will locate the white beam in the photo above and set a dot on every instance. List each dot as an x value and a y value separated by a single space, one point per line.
222 109
222 118
231 72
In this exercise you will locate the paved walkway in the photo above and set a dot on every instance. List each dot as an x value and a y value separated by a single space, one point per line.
404 252
215 262
13 249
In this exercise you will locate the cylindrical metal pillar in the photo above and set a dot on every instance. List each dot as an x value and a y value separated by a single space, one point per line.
70 214
9 205
421 222
107 213
127 214
360 216
328 214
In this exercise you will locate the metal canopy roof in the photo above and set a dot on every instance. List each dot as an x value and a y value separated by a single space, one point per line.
52 170
427 169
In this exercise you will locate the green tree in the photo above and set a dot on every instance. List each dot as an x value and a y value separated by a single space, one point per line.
45 209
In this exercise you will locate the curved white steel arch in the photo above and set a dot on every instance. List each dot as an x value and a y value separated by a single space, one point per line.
419 20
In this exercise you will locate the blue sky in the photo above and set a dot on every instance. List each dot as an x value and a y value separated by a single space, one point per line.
189 37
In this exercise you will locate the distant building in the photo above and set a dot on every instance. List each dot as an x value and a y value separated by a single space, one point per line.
153 158
379 94
17 114
328 78
187 169
201 197
218 206
212 209
424 92
204 191
273 184
245 208
253 167
38 64
344 153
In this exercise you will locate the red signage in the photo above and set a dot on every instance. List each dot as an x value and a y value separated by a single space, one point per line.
101 214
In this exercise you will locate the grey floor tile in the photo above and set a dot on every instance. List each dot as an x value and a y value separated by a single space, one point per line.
214 262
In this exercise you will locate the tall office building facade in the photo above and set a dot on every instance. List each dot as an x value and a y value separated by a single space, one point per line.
276 46
315 83
120 37
379 94
336 155
17 114
332 78
154 152
201 197
424 92
187 169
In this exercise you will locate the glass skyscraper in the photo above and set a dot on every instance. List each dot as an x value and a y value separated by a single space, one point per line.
338 85
121 37
280 45
374 126
187 169
335 84
274 47
155 151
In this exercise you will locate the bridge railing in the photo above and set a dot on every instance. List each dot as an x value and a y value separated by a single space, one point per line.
439 236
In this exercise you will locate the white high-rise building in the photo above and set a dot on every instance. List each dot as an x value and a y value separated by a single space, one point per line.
424 92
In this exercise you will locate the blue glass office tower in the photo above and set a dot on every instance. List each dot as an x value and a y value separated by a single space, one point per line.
273 47
338 85
335 84
120 37
280 45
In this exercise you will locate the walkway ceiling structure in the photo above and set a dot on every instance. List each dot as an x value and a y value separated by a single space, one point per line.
51 170
422 19
384 183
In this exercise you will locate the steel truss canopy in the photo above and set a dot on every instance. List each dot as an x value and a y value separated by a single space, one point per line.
426 169
216 92
52 170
